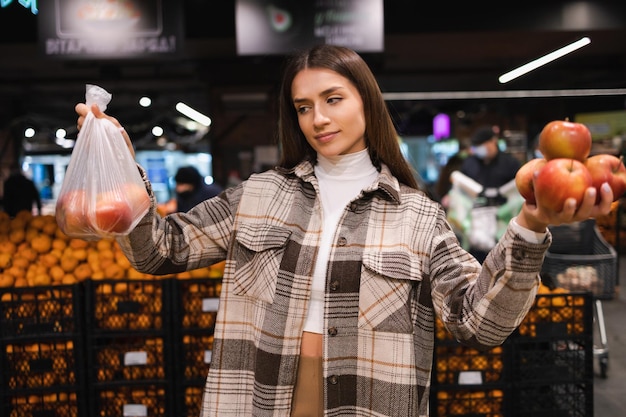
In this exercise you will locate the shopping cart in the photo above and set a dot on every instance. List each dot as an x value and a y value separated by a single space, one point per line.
580 259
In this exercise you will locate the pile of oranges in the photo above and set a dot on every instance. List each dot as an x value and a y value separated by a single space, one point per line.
34 251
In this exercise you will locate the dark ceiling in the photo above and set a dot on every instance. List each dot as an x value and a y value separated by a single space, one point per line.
439 48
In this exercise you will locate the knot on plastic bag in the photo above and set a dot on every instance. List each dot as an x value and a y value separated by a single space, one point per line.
97 95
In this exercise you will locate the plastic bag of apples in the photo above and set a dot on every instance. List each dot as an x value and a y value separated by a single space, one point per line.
102 194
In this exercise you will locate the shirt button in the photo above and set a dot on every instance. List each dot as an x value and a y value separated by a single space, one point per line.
332 331
334 285
353 206
518 254
342 241
333 379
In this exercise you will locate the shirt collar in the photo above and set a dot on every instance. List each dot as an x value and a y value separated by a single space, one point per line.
386 182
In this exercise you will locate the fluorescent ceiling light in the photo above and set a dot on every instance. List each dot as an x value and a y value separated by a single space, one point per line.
463 95
532 65
193 114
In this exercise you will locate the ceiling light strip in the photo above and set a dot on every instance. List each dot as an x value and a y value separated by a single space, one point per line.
193 114
461 95
532 65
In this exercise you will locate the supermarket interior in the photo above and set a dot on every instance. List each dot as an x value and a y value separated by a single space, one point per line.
194 82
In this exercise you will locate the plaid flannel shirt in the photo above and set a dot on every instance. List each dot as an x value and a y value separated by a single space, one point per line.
395 264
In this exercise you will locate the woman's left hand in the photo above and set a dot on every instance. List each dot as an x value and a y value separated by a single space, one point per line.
537 218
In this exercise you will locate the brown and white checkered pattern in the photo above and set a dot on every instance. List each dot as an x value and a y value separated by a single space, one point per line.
394 264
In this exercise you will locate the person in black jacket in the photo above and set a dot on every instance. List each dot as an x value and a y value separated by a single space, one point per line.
487 164
20 194
191 188
491 168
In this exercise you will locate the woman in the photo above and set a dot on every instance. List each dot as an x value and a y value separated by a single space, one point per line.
336 264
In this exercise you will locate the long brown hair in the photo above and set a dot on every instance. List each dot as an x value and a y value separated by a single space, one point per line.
381 136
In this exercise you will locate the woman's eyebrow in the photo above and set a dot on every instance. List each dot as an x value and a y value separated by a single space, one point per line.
329 90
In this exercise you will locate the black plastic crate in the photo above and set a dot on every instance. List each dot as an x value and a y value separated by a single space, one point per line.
189 400
461 365
558 316
196 303
45 364
36 312
468 402
552 362
121 400
566 399
128 359
547 360
44 403
128 306
195 360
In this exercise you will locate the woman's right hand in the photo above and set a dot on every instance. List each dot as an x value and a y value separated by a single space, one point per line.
83 110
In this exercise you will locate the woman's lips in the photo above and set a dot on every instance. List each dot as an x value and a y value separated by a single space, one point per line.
325 137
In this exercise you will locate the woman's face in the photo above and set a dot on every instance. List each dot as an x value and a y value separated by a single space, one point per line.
330 112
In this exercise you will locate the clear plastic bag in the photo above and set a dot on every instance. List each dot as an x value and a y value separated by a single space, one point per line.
103 194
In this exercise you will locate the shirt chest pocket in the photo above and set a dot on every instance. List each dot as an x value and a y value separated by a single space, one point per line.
389 282
258 251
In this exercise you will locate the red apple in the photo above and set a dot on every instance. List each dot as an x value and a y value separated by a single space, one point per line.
71 213
560 179
610 169
565 139
112 213
525 177
137 197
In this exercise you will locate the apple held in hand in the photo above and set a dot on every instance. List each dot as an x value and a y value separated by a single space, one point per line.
565 139
560 179
524 179
112 213
610 169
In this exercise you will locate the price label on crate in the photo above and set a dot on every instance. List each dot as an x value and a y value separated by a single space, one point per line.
135 410
210 304
135 358
470 378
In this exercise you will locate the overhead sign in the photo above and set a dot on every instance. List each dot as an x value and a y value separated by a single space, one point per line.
282 26
109 29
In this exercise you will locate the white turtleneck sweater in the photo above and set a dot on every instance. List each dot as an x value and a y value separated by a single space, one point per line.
340 179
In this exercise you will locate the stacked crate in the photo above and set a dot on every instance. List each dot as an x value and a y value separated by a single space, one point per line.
42 347
195 305
467 381
552 358
130 358
544 369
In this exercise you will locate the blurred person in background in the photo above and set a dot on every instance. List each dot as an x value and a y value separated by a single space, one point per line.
190 190
491 168
20 193
487 164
